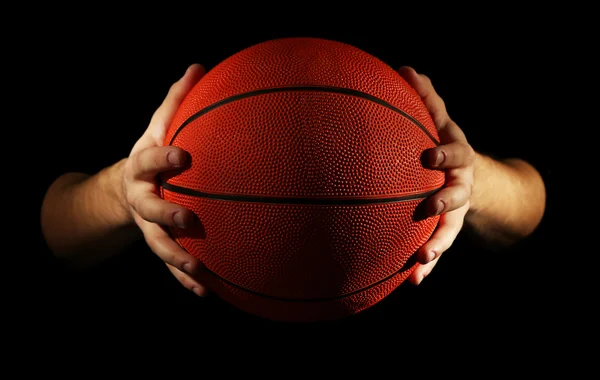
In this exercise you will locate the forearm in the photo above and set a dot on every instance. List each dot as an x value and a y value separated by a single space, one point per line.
84 219
508 200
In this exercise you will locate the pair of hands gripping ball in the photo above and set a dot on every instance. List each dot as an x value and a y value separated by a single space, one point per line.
152 214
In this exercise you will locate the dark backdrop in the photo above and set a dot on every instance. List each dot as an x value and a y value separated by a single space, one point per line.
92 88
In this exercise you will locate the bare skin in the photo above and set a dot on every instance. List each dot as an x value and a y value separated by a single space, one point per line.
88 218
501 201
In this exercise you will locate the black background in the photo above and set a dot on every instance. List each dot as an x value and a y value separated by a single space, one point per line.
88 90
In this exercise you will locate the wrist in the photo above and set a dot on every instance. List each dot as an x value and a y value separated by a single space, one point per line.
508 199
114 187
481 165
493 183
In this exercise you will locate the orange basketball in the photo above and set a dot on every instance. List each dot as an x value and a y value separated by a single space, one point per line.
305 176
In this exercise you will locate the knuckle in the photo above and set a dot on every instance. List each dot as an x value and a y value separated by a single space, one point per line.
442 103
439 118
128 170
135 202
172 258
470 153
138 163
158 247
467 191
465 194
425 78
174 89
130 199
456 195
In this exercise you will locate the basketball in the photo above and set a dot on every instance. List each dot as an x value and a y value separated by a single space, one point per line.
306 176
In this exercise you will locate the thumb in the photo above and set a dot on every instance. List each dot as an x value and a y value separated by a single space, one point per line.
162 117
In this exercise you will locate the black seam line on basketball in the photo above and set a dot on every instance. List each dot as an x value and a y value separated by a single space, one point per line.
335 90
407 265
291 200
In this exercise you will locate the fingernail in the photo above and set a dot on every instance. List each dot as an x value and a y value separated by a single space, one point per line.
178 219
198 292
430 256
441 156
187 268
174 158
440 207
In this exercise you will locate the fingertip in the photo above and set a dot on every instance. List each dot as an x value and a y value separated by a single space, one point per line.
193 73
184 218
177 157
200 291
432 158
194 268
423 274
437 157
425 256
420 273
191 267
407 69
409 74
416 277
196 69
436 206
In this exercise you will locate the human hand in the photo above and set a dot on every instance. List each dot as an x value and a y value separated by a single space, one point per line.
456 157
151 213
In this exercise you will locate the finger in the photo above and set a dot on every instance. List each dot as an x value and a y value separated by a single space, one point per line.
423 86
450 131
421 271
169 251
189 282
180 89
450 156
147 163
455 195
154 209
177 92
449 226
